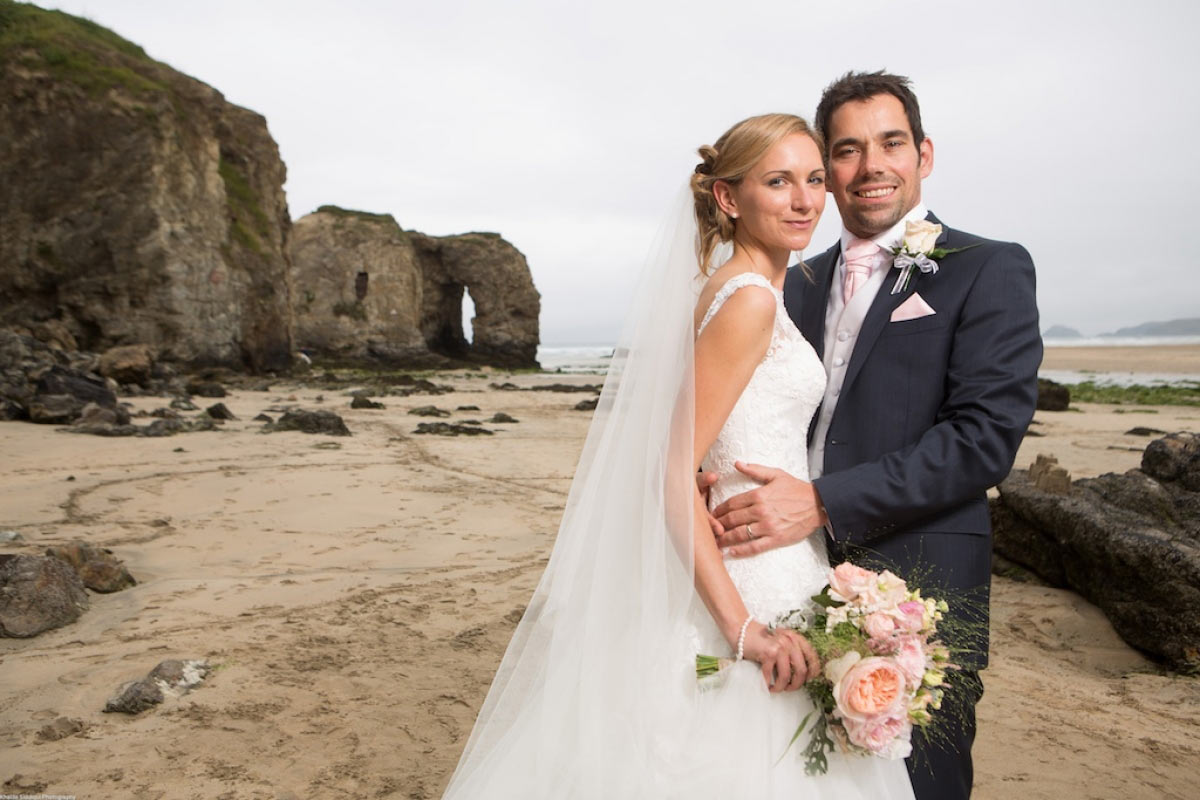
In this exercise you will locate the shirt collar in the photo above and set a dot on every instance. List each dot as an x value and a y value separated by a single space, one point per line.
891 238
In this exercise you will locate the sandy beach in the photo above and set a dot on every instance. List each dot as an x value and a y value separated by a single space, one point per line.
356 594
1182 359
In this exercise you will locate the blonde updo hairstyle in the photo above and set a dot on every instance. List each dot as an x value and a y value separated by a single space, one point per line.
729 160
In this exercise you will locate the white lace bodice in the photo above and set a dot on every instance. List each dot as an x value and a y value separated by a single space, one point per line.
768 426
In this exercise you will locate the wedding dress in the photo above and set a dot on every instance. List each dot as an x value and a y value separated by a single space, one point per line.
738 721
597 695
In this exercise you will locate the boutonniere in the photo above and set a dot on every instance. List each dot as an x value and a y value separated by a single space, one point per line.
917 252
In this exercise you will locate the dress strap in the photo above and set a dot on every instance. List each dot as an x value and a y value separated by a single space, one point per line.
730 286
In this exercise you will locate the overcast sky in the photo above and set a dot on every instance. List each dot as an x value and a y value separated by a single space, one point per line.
567 127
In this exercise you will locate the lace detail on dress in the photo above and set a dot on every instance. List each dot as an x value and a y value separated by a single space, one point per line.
768 426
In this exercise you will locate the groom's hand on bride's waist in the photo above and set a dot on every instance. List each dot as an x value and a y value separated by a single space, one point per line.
783 511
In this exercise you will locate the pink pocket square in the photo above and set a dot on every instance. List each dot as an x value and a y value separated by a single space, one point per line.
914 307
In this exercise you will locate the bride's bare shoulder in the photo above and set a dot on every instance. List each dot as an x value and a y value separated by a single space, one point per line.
750 302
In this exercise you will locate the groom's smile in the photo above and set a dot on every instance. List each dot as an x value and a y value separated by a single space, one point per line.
875 167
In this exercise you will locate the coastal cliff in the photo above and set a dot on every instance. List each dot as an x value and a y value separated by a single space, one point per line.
137 206
369 291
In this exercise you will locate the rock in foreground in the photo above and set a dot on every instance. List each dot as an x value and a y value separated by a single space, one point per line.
1052 396
325 422
173 677
97 567
1128 543
37 594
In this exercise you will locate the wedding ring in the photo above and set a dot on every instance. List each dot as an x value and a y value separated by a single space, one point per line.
749 533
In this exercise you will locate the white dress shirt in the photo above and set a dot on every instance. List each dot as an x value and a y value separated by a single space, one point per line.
843 321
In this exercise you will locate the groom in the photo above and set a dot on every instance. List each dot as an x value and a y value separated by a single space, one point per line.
932 384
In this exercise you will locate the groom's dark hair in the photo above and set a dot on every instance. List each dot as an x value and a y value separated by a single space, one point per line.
864 86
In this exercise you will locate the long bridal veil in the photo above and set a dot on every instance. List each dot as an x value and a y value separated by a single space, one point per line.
593 696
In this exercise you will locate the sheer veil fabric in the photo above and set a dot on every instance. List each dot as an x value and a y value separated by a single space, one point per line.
594 696
597 696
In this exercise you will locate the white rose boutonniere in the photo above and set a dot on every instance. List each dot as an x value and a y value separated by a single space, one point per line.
917 251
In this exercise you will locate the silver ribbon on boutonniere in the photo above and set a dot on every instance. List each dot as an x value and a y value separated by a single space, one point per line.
917 252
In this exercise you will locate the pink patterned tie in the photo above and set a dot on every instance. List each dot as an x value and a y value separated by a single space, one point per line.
859 258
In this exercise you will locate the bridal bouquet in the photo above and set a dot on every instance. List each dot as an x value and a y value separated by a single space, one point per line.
883 670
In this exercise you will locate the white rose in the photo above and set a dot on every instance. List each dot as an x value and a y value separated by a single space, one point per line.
921 236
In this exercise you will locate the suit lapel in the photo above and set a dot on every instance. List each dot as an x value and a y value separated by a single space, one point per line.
880 313
815 299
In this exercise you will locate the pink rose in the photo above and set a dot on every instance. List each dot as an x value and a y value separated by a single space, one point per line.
872 688
884 646
910 659
912 616
879 626
848 581
890 737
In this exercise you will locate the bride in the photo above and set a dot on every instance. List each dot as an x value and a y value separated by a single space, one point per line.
597 696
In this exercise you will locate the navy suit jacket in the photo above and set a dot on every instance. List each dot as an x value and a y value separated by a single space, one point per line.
930 414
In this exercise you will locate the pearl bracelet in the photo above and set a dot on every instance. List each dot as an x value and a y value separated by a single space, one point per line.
742 637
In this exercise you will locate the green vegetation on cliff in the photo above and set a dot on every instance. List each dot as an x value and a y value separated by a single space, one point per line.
366 216
246 209
75 50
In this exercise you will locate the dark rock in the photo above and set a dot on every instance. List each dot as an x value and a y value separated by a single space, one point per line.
1127 542
263 418
184 404
1175 457
84 387
501 417
325 422
104 429
361 402
173 676
93 414
170 427
429 411
467 408
97 567
54 409
135 697
205 389
11 409
38 594
567 388
504 387
165 413
1052 396
219 411
61 728
451 429
587 405
132 364
1140 431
